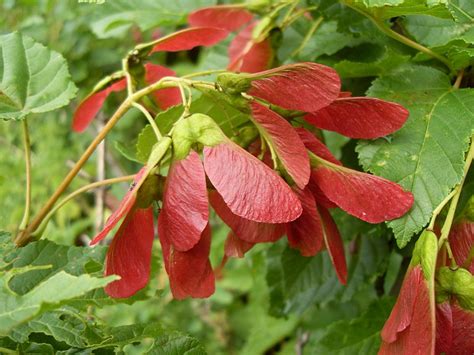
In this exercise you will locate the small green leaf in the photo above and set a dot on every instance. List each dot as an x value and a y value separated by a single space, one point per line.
163 341
33 79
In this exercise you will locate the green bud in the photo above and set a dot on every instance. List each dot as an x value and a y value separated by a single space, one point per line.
459 283
233 83
425 253
197 128
258 5
246 135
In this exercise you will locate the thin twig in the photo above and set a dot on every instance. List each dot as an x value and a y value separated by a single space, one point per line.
27 148
100 192
79 191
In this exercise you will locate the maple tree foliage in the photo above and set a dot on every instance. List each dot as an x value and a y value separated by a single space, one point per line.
256 152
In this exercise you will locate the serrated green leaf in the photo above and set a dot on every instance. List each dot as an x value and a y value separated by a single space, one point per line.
114 18
392 8
63 325
163 341
383 64
356 336
426 156
431 31
16 309
72 260
297 282
462 10
33 79
228 118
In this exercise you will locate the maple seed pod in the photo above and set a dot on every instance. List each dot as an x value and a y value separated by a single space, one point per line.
197 128
233 83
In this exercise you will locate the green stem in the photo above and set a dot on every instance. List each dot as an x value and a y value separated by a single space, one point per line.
150 119
439 208
454 202
73 194
127 76
443 203
400 38
204 73
27 147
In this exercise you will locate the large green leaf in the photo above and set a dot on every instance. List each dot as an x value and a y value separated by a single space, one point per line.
297 282
427 155
432 31
16 309
64 325
73 260
33 79
113 18
162 341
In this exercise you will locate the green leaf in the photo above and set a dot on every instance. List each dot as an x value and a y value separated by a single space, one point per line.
128 150
16 309
47 258
33 79
356 336
297 282
211 104
64 325
431 31
114 18
382 64
392 8
426 156
462 10
163 341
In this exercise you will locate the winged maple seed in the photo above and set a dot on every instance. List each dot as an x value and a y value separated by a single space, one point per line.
248 52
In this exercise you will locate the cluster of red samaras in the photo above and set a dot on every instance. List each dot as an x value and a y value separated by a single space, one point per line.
434 313
245 191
